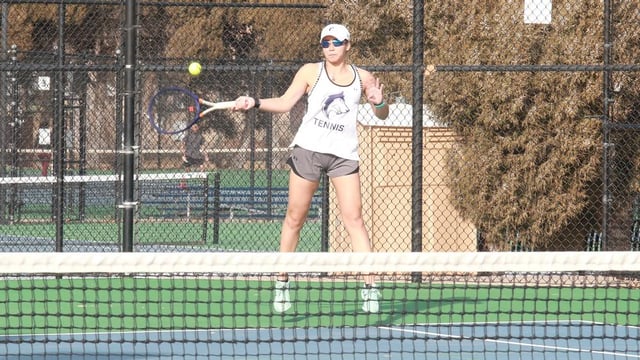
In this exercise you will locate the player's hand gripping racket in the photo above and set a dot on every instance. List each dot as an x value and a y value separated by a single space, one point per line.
173 110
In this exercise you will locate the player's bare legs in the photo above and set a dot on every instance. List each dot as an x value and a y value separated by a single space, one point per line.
350 203
300 197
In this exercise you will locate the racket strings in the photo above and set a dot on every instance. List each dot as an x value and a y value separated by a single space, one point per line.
172 110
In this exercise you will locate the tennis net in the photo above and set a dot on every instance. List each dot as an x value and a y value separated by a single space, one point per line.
221 306
171 198
96 197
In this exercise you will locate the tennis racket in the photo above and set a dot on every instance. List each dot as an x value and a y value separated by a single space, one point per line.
173 110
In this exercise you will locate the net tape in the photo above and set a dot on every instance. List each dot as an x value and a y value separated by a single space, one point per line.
460 262
100 178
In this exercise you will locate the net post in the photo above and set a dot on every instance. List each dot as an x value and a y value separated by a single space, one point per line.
324 214
205 207
216 208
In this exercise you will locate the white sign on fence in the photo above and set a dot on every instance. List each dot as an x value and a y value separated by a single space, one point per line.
537 11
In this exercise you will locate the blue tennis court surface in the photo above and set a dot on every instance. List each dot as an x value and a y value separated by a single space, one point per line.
498 341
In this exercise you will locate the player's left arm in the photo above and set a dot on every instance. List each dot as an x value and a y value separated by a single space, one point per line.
373 90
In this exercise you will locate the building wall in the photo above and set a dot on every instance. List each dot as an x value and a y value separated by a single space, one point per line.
385 171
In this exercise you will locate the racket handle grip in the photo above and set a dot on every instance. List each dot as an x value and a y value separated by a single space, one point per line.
226 105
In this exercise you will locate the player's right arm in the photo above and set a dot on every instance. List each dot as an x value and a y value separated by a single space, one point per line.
301 84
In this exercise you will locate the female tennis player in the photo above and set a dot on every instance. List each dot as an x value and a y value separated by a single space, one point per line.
326 140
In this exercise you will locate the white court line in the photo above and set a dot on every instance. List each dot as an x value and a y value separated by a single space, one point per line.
137 333
517 343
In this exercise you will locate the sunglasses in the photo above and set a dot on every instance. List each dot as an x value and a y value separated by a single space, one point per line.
335 42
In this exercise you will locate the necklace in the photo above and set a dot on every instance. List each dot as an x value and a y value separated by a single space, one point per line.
335 73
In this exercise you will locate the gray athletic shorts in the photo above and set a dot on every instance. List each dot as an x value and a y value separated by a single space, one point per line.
310 164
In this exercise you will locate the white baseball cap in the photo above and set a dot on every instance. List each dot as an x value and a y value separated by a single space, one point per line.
338 31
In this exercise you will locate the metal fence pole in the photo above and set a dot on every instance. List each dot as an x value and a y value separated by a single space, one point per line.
607 146
59 130
128 204
416 139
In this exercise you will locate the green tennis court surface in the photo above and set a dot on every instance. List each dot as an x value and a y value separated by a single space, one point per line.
229 315
197 210
234 236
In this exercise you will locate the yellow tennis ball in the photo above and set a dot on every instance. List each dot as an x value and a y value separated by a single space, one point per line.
195 68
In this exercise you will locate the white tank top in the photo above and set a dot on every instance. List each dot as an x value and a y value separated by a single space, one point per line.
329 125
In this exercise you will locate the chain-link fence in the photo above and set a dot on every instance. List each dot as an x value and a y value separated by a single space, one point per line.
527 138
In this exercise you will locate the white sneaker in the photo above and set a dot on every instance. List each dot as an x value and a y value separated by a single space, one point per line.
281 301
370 296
